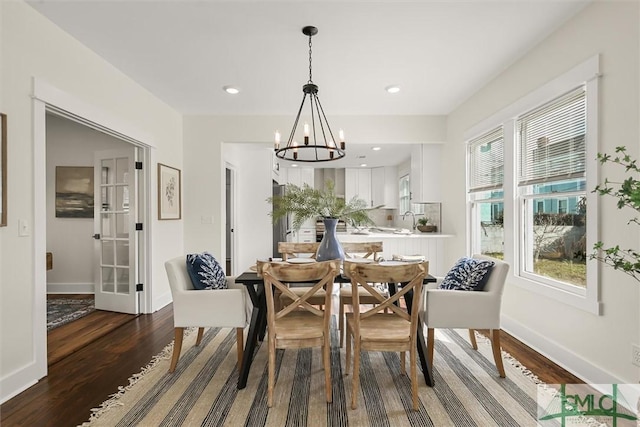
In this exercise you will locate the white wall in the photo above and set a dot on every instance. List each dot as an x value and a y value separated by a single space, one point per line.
253 230
32 47
596 348
69 239
204 159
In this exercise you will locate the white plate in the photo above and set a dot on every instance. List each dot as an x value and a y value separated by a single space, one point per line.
390 263
359 260
301 260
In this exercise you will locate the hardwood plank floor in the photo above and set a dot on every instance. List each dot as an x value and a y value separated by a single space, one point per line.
69 338
87 377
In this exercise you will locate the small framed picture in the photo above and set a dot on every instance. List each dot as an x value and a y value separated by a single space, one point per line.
169 193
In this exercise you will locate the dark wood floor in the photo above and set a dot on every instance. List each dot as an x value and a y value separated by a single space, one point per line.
67 339
87 377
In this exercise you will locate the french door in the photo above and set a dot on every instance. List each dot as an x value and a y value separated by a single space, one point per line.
116 240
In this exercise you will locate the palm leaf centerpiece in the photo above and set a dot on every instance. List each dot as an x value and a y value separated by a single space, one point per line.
308 203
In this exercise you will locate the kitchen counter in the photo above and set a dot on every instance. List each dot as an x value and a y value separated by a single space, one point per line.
431 245
373 236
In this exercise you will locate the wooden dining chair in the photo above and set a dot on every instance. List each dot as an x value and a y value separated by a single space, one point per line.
374 330
300 250
368 250
297 250
299 324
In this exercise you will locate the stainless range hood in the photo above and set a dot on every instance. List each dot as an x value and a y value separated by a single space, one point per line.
321 175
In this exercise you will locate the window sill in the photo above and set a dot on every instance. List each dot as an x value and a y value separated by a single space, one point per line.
586 302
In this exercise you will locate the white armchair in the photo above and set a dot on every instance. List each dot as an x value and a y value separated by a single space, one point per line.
225 308
471 310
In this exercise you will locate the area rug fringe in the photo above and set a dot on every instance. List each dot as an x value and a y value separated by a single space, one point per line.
512 361
114 399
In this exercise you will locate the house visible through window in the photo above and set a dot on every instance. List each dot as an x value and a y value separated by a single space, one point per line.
530 167
551 176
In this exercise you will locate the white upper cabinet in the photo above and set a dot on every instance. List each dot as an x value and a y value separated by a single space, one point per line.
426 169
384 186
357 182
300 176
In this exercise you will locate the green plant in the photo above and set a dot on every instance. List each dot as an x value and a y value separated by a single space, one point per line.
628 194
307 203
424 221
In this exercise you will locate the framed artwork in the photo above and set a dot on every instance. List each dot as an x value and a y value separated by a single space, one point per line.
169 193
3 169
74 192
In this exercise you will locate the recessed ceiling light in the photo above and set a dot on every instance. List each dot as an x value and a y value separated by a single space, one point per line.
363 165
294 165
230 89
392 89
376 148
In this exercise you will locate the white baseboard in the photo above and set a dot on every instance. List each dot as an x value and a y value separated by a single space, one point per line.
70 288
558 354
18 381
161 301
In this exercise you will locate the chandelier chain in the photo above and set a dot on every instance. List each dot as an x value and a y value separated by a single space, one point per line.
310 79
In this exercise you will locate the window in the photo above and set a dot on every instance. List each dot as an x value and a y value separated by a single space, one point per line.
551 181
486 176
530 168
405 194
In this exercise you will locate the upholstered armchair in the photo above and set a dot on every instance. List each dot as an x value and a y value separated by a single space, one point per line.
471 310
225 308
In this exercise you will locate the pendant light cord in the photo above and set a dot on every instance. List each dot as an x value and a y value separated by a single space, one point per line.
310 79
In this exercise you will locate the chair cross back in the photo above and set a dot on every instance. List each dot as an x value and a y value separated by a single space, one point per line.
367 248
294 249
278 275
411 275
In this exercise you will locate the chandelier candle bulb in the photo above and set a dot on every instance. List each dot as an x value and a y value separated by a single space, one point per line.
277 141
306 134
341 135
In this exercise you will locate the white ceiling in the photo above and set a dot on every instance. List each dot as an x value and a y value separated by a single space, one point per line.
185 51
438 52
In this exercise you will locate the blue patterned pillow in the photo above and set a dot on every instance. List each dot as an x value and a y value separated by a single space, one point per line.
205 272
468 275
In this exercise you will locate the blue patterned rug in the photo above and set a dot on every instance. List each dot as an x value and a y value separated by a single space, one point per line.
61 311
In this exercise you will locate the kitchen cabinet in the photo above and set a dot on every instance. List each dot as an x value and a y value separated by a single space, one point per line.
304 235
357 182
426 170
384 186
300 176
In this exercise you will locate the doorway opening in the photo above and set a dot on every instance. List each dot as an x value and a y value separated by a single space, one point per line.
76 206
230 213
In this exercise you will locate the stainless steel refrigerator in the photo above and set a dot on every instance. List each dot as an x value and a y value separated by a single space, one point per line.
280 226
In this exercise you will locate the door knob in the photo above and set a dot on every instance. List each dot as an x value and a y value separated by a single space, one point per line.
96 236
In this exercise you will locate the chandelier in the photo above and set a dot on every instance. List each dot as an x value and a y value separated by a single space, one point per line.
318 143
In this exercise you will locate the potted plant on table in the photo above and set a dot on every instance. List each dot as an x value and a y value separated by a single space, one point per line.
306 203
425 226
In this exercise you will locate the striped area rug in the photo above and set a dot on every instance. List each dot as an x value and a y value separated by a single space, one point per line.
202 391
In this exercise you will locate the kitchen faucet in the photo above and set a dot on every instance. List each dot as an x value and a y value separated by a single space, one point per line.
413 215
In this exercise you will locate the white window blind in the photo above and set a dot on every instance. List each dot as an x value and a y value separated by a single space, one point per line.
552 140
486 161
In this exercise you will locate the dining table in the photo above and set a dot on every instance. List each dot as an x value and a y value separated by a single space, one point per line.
258 324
